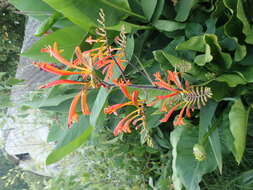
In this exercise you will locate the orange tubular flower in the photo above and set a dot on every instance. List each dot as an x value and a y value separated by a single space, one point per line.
181 96
84 65
178 91
133 117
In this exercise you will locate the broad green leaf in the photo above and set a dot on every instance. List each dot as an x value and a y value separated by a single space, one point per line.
69 147
187 171
220 57
148 7
169 62
129 47
158 10
168 26
99 104
85 13
55 133
201 60
160 58
129 27
67 38
233 30
247 30
238 119
195 43
247 72
210 25
193 29
231 79
201 43
47 24
49 101
34 8
205 123
198 43
183 9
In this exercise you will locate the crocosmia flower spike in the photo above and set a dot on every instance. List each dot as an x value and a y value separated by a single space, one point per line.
82 66
136 117
180 96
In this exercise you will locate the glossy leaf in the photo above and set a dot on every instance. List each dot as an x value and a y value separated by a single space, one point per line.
233 29
205 123
72 145
34 8
99 105
238 119
158 10
247 29
232 80
187 171
183 9
85 13
67 38
168 26
148 7
49 101
209 44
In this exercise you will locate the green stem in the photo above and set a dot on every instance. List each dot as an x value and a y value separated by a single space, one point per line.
135 86
144 70
204 139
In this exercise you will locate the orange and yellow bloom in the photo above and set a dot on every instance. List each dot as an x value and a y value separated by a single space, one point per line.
175 99
135 117
84 68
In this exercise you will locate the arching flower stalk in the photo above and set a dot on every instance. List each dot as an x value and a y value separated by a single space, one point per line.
182 96
136 117
106 57
85 69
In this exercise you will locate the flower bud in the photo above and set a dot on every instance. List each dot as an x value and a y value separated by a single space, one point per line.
199 152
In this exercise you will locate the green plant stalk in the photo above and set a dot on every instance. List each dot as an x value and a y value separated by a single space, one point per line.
204 139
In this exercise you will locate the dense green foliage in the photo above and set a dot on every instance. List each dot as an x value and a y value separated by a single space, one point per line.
208 41
11 32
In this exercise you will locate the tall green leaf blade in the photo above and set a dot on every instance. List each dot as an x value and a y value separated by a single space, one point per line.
99 105
206 117
247 30
168 26
231 79
85 13
148 7
187 171
183 9
71 144
238 120
67 38
34 8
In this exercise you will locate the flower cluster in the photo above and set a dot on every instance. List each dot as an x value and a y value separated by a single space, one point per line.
135 117
181 96
84 68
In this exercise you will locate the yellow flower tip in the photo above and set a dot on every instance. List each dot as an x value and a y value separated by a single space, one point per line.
199 152
73 119
90 40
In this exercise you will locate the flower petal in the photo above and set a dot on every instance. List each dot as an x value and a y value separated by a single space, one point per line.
63 81
167 116
73 116
167 96
113 108
84 104
51 69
